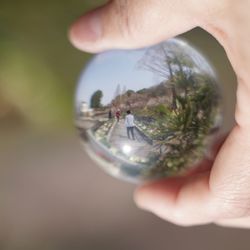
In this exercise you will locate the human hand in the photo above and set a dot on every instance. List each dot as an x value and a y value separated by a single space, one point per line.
220 194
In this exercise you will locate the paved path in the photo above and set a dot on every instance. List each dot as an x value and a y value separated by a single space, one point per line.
139 147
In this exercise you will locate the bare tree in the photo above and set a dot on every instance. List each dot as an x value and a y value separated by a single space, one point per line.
171 63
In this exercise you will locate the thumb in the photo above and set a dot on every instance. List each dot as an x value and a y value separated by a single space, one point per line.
132 24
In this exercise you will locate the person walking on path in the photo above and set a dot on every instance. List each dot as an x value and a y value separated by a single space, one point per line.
129 123
117 115
110 114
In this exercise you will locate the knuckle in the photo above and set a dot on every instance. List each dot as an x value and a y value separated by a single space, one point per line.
231 194
232 205
234 208
122 12
129 18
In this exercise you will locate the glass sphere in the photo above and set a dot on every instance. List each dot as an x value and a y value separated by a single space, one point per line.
148 113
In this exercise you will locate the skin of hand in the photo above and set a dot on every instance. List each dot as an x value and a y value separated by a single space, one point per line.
221 193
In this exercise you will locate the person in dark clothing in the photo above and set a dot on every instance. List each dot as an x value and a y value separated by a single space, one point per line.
110 114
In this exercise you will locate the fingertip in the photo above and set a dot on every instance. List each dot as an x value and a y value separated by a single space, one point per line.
140 197
86 31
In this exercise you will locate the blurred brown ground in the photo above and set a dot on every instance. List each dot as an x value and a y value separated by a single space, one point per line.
51 195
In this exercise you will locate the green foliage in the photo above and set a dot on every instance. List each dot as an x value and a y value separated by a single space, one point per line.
189 125
160 110
180 134
95 100
142 91
39 66
130 92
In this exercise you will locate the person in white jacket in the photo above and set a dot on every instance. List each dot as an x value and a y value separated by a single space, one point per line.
129 123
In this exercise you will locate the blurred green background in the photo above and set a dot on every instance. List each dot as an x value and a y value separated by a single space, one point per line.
38 66
51 195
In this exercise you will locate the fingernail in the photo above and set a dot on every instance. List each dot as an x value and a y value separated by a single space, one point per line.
87 29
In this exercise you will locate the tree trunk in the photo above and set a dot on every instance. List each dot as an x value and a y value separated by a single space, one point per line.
174 95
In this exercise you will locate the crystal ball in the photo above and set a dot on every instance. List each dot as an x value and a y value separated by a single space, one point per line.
148 113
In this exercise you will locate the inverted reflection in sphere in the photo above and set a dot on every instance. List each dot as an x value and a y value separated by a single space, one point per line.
148 113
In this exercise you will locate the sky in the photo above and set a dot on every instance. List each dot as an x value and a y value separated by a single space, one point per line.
108 70
120 67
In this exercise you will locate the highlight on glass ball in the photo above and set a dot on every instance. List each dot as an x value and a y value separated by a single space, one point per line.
148 113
